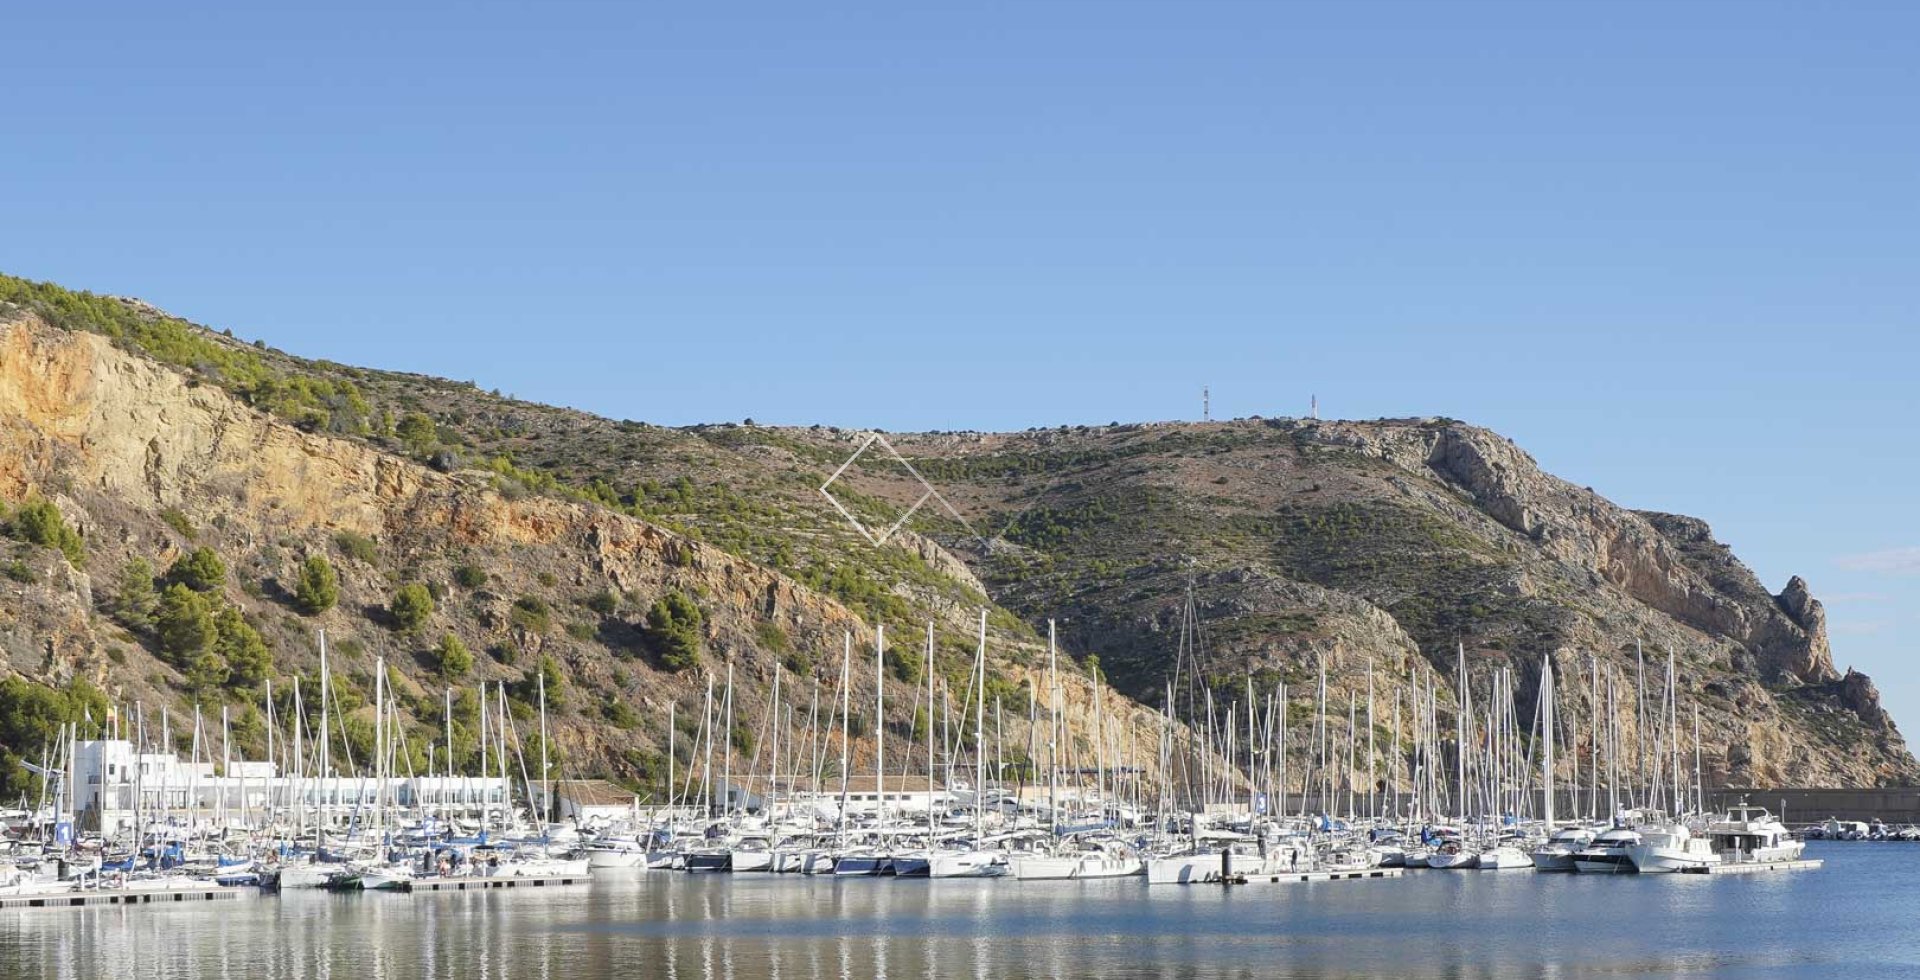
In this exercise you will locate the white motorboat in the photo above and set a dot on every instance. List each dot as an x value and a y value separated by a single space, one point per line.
1607 854
1667 847
1750 834
1560 847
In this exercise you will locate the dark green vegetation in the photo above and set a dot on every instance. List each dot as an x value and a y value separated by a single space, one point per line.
673 626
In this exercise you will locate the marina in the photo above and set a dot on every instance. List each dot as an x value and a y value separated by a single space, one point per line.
129 824
1849 918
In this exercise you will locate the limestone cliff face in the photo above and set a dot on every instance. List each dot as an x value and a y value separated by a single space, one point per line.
124 446
1667 562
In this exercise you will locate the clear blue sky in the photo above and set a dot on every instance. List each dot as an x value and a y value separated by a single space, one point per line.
1672 248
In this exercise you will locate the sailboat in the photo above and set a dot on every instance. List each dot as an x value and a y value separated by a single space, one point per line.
967 859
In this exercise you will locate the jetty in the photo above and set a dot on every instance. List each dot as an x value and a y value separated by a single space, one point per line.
118 896
1755 867
482 882
1280 877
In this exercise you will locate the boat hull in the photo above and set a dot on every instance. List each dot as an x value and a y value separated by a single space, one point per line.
967 864
1464 861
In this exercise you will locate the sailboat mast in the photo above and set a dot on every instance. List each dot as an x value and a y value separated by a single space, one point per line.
1460 728
929 730
1546 725
1053 733
546 777
980 734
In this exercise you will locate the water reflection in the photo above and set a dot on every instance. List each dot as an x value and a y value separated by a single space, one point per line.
1848 918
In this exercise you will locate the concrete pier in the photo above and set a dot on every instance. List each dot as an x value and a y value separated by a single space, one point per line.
460 884
1754 867
1298 876
118 896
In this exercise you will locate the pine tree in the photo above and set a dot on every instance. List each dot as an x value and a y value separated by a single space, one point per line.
317 588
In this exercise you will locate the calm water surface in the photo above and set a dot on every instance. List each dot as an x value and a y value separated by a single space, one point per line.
1858 917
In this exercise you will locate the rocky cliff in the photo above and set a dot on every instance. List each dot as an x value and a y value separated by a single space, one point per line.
546 537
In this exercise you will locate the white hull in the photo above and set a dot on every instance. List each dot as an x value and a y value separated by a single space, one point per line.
1463 861
1042 867
1613 862
753 860
307 875
387 881
1047 867
857 865
1553 858
967 864
1648 859
600 860
1505 859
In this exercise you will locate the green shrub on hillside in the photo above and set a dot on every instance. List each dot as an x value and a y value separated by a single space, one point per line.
39 522
357 546
531 613
200 570
410 607
451 657
185 624
177 519
244 652
316 588
674 627
135 599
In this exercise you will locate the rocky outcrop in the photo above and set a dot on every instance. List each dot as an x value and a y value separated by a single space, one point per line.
132 451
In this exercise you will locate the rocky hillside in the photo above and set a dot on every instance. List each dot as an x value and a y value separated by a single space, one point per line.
627 561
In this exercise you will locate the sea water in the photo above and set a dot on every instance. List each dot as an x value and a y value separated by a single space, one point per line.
1858 917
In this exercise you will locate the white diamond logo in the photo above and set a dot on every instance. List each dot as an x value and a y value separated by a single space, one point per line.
878 538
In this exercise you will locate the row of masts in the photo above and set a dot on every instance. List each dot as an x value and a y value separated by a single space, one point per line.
1245 752
1489 760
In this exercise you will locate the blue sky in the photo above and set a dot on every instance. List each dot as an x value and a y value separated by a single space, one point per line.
1670 248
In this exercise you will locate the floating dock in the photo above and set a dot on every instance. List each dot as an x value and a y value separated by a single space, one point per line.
118 896
1294 876
482 882
1754 867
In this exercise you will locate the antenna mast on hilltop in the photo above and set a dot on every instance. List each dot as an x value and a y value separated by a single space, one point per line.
1313 407
1206 404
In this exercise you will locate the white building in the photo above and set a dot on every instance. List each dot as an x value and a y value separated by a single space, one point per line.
109 776
588 802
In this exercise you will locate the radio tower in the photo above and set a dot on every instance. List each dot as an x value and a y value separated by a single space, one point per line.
1313 408
1206 404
